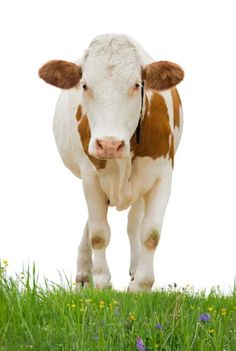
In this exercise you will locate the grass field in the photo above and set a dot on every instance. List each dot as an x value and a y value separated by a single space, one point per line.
57 318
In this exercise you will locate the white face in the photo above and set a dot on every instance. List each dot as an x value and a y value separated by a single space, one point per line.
112 101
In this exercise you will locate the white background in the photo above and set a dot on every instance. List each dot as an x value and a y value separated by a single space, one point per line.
43 210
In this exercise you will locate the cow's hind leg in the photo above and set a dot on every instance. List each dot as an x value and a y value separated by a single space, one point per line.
135 219
84 260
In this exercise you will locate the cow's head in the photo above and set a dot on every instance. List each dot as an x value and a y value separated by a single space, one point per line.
110 77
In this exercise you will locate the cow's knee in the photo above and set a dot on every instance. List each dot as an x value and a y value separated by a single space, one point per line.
98 241
99 236
151 239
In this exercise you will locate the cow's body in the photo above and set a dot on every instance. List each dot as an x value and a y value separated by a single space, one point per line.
140 179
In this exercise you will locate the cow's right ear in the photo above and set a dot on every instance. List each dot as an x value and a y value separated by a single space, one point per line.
62 74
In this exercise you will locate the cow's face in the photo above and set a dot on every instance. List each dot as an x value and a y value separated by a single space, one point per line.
111 96
112 102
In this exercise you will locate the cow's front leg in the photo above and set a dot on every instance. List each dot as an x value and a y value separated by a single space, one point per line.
99 231
155 204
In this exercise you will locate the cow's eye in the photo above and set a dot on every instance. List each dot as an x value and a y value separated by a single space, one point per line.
137 85
84 86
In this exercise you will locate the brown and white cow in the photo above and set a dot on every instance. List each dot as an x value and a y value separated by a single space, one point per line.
117 125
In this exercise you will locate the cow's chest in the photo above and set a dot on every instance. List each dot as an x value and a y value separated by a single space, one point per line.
113 179
142 174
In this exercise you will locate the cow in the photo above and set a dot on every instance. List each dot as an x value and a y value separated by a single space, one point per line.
117 125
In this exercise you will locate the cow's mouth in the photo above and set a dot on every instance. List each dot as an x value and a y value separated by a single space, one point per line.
107 157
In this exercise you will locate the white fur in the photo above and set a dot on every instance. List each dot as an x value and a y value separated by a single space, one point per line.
111 67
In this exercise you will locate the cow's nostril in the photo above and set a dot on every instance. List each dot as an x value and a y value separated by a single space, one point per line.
121 146
99 145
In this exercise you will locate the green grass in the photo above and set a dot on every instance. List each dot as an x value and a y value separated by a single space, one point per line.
58 318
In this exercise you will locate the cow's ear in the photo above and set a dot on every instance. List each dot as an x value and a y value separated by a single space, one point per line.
162 75
62 74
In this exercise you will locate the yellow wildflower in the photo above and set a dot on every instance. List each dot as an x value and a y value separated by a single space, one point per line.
132 316
210 331
5 262
210 309
102 303
223 311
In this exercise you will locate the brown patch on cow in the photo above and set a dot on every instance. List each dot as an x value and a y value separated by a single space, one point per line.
162 75
176 105
79 113
62 74
152 241
85 136
155 130
98 242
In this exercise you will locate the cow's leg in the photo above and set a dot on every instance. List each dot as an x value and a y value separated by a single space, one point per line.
155 204
99 231
84 260
135 218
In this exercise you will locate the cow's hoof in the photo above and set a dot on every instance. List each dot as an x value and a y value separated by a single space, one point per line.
82 280
101 281
139 287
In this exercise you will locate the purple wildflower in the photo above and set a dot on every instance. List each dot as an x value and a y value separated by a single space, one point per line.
140 344
204 317
158 326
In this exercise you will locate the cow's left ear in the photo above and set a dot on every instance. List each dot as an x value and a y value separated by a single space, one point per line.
62 74
162 75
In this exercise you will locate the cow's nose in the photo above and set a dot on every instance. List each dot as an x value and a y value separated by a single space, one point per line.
109 147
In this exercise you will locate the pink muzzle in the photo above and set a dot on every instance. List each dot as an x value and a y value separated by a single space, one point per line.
109 147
